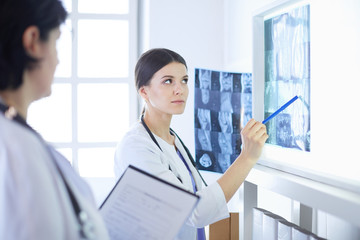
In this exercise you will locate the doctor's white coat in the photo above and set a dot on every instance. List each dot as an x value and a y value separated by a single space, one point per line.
138 149
34 202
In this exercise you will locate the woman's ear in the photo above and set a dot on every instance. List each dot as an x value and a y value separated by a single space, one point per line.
31 42
143 93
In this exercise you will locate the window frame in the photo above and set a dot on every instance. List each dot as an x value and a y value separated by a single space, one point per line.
74 80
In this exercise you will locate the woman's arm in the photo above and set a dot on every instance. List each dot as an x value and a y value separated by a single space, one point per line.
253 138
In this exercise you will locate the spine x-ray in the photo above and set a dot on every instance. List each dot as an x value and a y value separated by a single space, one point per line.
287 73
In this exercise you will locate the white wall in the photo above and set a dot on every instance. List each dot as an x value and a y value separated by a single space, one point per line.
195 30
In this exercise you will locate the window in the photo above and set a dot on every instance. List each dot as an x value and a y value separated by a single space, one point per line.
89 109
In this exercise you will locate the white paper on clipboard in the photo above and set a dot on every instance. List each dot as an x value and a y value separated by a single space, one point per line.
142 206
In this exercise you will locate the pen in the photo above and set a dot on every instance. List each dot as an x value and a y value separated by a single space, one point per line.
280 109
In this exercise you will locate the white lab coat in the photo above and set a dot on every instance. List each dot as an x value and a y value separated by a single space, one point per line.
34 202
138 149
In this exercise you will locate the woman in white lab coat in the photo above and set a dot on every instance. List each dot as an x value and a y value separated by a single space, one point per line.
161 80
41 197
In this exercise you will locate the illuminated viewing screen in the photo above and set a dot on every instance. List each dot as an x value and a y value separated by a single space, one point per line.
287 73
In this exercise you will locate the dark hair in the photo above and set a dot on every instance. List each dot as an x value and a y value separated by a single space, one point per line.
15 17
152 61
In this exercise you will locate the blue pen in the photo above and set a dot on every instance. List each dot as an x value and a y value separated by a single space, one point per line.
280 109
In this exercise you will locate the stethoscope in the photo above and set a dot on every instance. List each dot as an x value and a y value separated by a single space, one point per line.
86 225
172 132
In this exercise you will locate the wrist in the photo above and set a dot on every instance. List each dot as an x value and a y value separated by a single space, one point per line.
246 157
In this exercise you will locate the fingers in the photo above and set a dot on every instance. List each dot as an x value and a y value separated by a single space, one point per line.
248 126
254 126
263 137
254 136
255 130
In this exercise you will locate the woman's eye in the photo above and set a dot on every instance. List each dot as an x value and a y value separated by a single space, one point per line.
167 81
185 80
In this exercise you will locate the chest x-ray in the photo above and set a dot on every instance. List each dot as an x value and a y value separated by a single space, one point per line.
223 105
287 73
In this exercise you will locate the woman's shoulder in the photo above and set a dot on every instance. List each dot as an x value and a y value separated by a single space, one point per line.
136 137
27 143
136 129
135 133
135 148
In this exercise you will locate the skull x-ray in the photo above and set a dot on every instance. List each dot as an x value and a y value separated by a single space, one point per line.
223 105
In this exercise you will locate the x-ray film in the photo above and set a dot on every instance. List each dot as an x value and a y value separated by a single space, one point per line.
223 105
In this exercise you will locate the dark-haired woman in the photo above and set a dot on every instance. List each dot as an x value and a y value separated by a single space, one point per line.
41 197
161 80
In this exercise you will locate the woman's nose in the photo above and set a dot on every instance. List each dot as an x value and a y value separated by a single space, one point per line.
178 89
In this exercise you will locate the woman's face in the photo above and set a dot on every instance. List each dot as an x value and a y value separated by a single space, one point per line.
41 76
168 90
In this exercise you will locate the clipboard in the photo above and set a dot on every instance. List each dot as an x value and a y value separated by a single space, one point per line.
143 206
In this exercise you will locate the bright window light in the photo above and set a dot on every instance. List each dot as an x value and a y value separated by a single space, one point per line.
100 40
51 116
104 6
64 48
103 112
